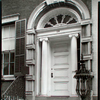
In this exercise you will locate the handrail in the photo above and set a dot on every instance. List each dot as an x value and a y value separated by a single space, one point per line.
15 90
10 86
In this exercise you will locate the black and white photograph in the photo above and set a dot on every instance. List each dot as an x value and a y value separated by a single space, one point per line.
50 49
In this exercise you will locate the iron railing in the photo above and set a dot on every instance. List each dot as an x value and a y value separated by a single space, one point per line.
16 90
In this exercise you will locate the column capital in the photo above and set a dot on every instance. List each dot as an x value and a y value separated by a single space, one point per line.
44 39
74 35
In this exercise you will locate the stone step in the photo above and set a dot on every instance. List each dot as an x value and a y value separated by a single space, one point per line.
57 98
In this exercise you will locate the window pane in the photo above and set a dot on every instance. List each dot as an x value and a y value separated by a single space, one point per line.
12 31
2 64
6 66
8 44
8 31
6 57
12 44
5 31
11 68
2 58
8 37
12 57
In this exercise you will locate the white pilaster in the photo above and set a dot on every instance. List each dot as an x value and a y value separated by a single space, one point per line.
38 49
95 46
44 66
73 60
49 70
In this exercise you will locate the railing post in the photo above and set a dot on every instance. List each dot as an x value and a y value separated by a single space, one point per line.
13 98
17 97
9 97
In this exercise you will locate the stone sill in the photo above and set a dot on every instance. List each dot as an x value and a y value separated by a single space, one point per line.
8 77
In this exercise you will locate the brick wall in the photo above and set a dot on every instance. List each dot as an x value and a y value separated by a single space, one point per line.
23 7
88 3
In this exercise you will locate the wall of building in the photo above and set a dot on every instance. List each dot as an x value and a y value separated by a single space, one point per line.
95 45
93 8
88 3
23 7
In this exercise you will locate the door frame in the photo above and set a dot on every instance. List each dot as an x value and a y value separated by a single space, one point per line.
51 33
57 42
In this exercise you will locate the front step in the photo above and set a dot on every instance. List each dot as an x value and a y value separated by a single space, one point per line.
56 98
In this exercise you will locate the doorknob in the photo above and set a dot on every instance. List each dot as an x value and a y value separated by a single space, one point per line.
51 75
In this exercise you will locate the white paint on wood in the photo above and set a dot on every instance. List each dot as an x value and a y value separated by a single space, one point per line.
60 84
8 37
74 51
53 1
44 67
30 39
38 69
9 19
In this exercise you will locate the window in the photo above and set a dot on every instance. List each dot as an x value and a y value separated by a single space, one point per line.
8 37
8 47
8 63
60 20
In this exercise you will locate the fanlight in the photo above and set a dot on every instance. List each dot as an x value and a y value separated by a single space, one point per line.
60 20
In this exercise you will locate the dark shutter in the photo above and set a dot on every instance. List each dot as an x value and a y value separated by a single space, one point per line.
20 56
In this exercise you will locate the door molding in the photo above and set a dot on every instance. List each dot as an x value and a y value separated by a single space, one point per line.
60 44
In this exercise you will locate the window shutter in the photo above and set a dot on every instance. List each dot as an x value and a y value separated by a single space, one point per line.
20 55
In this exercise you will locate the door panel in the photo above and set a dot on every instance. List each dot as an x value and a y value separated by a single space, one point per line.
59 60
63 73
60 70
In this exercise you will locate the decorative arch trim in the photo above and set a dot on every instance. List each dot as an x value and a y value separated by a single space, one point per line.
52 14
79 4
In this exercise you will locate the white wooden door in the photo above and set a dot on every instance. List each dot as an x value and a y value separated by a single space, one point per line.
60 71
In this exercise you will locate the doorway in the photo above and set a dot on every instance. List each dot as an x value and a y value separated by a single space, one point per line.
60 68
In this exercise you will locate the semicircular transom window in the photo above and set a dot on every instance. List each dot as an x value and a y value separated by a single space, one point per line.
60 20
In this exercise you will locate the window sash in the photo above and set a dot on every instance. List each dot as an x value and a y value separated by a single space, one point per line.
8 44
8 37
8 31
9 63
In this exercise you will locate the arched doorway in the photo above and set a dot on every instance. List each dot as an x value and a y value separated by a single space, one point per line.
57 27
58 30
